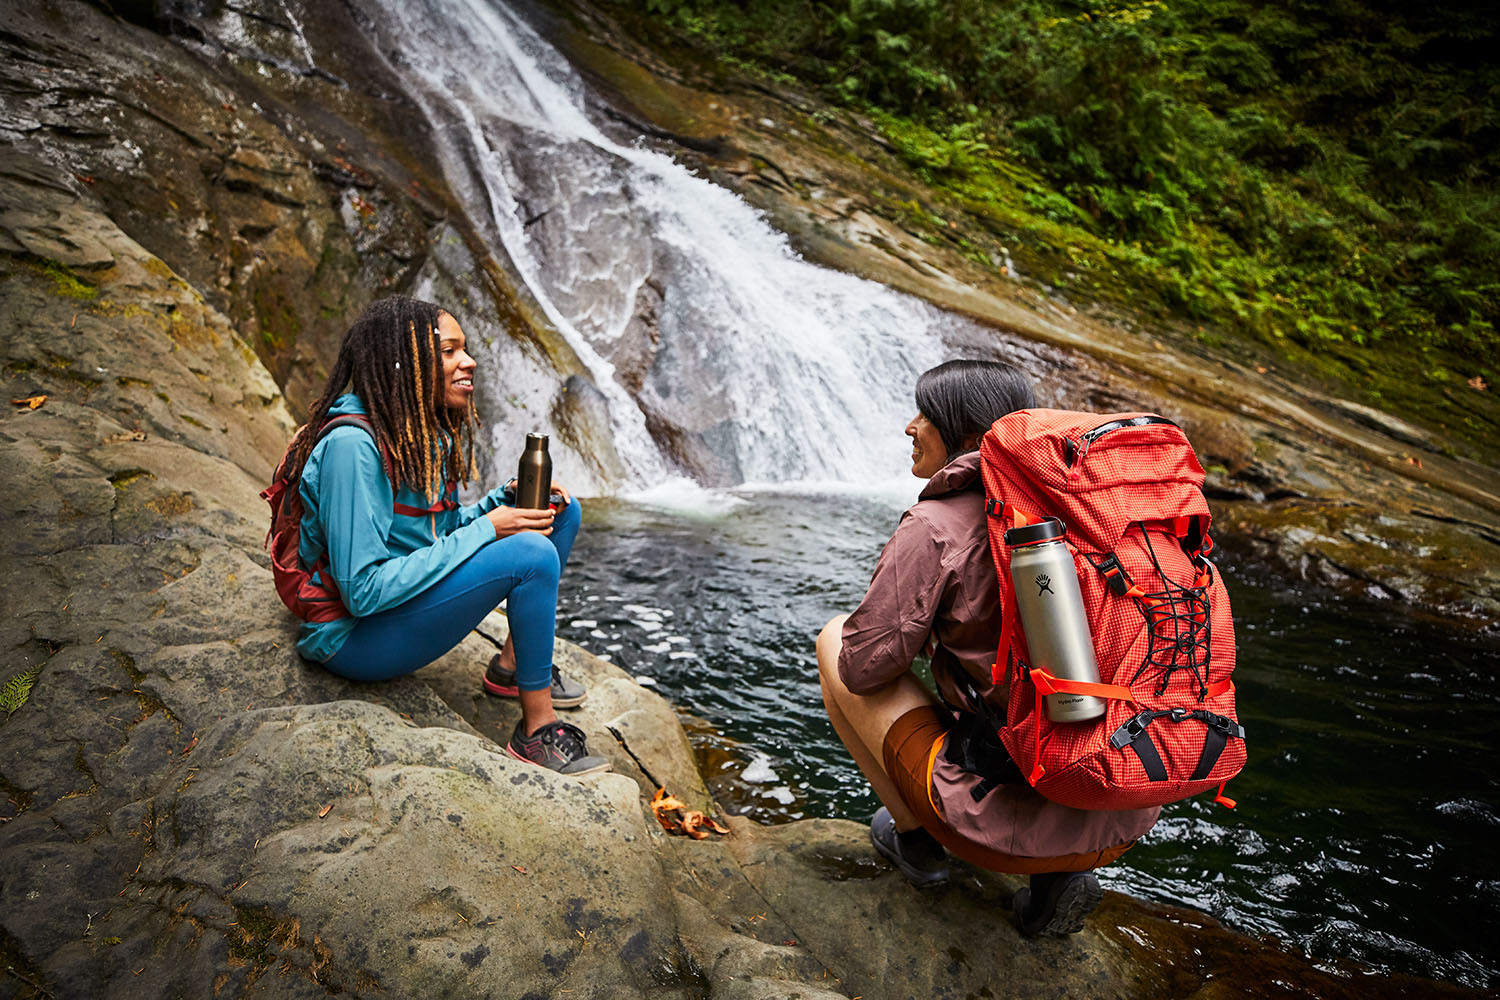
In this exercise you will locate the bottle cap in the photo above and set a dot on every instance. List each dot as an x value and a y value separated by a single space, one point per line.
1031 534
534 440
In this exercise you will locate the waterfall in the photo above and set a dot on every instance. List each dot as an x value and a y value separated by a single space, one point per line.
717 350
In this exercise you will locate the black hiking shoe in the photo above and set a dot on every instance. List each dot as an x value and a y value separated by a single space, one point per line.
1056 903
925 866
500 682
558 746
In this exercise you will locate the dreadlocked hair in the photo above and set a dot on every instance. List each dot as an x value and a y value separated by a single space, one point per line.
391 357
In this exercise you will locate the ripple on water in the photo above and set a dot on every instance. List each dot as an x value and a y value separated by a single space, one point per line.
1470 809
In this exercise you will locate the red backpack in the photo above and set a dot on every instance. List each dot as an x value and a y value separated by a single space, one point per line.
1128 490
311 600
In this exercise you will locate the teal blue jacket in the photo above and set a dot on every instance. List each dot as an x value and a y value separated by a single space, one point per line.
383 547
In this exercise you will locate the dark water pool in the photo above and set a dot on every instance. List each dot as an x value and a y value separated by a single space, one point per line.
1369 811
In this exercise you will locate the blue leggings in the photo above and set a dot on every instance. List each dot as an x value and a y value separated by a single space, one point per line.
521 569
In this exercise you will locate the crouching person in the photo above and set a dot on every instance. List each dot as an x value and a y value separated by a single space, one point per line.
945 781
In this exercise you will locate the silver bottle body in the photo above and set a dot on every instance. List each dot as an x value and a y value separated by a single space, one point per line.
1058 637
534 475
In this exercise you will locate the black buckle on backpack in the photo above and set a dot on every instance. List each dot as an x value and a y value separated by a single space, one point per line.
993 507
1132 728
1223 724
1114 574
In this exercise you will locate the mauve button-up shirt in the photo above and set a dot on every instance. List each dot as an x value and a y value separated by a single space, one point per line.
936 580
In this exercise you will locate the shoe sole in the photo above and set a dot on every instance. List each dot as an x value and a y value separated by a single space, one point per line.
597 769
500 691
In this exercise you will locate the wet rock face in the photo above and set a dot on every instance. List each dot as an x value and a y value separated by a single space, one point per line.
247 168
274 159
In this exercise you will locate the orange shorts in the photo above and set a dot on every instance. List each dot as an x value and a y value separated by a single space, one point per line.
910 750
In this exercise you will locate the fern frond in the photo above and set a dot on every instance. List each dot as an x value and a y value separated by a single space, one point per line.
17 689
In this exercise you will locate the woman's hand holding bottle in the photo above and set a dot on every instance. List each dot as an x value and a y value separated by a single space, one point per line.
513 520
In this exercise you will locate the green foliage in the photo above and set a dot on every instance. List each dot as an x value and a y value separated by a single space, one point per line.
15 691
1303 172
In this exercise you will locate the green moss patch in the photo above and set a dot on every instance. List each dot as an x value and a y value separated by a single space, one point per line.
64 280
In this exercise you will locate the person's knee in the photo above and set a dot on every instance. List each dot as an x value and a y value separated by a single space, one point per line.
531 553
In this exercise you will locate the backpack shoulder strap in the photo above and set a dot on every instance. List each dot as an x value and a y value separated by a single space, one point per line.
362 421
346 420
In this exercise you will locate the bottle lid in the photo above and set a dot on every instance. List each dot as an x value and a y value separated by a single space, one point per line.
1031 534
534 440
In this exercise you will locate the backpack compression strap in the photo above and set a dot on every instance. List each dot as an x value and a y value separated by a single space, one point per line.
1044 683
442 504
1133 732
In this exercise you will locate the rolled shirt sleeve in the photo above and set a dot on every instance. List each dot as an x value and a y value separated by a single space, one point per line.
895 619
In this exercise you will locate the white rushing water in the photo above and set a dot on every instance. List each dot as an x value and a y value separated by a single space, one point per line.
784 372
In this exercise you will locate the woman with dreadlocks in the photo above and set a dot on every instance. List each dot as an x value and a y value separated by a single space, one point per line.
415 570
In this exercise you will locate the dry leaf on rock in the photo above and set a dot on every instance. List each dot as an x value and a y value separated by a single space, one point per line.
675 817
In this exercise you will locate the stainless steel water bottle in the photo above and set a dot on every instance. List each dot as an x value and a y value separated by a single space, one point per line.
1045 579
534 476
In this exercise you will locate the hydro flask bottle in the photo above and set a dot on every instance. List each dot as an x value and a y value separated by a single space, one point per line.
534 477
1045 579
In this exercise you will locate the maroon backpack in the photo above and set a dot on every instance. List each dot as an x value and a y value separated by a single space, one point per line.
310 593
1128 490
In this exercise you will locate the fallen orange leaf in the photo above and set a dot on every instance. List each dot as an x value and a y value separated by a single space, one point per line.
30 402
692 825
675 817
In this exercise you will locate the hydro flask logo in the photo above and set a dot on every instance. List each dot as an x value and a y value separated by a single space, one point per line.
1044 585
